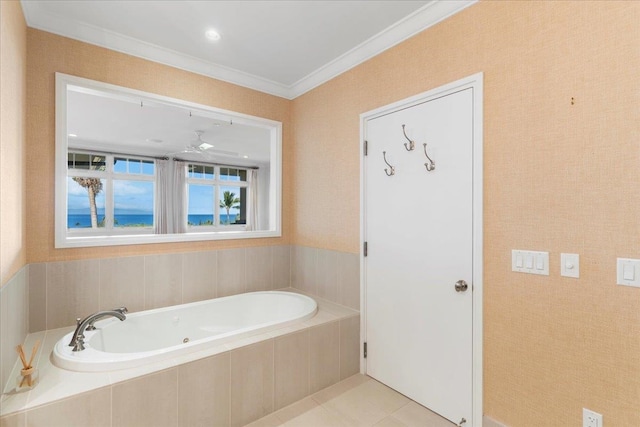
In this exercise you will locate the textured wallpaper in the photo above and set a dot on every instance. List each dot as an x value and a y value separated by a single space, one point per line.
13 90
561 156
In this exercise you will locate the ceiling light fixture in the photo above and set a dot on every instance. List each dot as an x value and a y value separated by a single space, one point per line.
73 135
212 35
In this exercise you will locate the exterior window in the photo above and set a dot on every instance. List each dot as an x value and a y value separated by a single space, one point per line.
107 193
201 211
85 206
230 174
216 196
133 192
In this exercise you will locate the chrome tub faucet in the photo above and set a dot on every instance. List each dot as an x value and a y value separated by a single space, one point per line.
86 324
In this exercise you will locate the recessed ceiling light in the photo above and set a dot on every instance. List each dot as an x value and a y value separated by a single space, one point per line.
246 157
212 35
73 135
205 146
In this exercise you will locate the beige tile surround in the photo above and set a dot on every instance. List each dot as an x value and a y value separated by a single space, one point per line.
332 275
61 291
47 297
231 384
64 290
14 320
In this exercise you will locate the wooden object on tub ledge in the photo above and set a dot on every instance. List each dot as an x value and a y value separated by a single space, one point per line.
28 377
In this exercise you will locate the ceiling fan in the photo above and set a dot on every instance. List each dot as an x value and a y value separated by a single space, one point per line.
203 148
197 146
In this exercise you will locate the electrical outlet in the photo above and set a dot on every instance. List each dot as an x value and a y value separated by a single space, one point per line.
591 419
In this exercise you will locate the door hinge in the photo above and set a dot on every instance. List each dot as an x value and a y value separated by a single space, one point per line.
365 248
366 147
365 350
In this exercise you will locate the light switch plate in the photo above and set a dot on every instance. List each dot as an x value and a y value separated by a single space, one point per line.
628 272
531 262
570 265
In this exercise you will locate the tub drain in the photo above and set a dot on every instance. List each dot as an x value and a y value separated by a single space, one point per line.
186 340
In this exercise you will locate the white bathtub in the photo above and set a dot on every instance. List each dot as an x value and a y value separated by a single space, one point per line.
164 333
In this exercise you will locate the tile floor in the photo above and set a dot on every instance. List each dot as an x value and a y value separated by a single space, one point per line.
357 401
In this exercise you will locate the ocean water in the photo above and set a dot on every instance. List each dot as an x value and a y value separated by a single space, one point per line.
134 220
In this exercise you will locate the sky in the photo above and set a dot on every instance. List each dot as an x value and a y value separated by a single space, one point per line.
130 197
201 199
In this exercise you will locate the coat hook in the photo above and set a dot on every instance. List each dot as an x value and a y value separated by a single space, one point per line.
411 143
393 170
431 165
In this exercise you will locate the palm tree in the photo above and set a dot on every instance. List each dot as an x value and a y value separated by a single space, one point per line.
93 186
229 201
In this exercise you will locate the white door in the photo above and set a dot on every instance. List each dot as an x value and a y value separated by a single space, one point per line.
418 226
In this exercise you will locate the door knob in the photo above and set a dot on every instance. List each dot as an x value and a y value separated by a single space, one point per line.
461 286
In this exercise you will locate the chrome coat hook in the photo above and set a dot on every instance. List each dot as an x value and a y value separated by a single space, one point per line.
393 170
431 165
411 143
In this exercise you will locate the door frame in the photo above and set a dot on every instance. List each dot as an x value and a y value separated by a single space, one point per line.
475 82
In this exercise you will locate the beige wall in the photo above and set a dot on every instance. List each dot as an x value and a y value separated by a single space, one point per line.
13 88
48 54
558 177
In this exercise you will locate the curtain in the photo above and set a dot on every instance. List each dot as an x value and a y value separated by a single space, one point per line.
252 202
163 197
179 202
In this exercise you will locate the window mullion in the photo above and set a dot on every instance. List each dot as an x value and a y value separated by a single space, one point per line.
216 195
109 210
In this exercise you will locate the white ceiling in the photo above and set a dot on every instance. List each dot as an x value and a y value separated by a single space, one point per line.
284 48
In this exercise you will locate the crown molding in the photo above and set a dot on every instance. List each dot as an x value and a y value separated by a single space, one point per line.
425 17
37 18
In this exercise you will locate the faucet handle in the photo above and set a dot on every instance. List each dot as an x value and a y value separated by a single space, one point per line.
122 310
79 343
78 322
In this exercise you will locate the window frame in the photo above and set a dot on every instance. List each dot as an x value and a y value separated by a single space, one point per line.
64 239
216 183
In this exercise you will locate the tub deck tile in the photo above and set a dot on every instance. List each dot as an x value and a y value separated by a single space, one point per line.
327 306
245 341
287 330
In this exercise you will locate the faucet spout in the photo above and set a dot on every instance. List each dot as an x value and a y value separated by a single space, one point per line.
116 312
86 324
